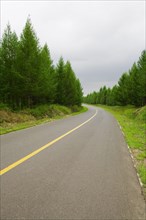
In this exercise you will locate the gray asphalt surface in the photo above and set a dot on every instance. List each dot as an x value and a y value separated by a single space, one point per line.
88 174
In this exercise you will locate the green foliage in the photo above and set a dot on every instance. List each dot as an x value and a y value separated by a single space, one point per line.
47 81
9 75
29 64
4 106
69 85
131 88
142 173
141 156
79 93
69 90
60 75
49 111
40 111
65 110
140 114
75 108
16 120
132 121
28 77
133 124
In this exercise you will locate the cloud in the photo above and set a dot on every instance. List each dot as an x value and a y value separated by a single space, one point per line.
101 39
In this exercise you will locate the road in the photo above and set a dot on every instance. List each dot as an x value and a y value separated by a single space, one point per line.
86 174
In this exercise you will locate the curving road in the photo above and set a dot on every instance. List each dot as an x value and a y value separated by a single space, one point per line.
85 174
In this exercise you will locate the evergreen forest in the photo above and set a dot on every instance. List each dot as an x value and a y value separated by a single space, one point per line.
28 76
130 90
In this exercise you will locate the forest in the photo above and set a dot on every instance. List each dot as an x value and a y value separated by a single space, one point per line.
28 76
130 90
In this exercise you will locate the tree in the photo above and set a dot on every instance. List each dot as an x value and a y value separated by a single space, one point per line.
60 79
131 88
123 90
9 74
92 98
47 81
142 77
114 96
28 76
69 84
134 85
103 95
29 64
79 93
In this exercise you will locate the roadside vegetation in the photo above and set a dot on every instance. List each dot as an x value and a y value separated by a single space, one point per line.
133 123
127 102
130 90
11 120
32 89
29 78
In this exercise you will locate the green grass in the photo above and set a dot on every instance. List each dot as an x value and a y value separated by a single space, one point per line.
133 123
13 121
132 126
141 156
80 110
142 173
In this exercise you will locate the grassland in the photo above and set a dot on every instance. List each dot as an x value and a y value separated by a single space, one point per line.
133 123
16 120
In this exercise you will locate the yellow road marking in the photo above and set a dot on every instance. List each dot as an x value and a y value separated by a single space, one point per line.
10 167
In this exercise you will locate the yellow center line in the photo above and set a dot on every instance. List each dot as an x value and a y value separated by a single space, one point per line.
18 162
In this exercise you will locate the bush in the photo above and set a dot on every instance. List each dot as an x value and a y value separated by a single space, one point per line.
75 108
12 117
39 111
141 114
65 110
4 107
49 111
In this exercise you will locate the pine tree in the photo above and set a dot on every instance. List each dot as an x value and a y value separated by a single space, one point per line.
114 96
123 90
108 96
47 81
29 64
134 85
142 77
9 74
70 89
79 93
27 74
60 74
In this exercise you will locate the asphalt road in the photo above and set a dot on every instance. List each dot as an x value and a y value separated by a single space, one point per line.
88 174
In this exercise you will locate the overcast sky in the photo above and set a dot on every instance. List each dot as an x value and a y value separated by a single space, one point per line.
101 39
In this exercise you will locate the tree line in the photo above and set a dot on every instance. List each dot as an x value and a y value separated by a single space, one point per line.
130 90
28 76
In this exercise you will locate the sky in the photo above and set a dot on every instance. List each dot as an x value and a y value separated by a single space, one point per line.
101 39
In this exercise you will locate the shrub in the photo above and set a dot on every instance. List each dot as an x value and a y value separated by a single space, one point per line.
49 111
4 107
75 108
141 114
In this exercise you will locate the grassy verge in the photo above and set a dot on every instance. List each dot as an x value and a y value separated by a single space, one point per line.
17 120
133 123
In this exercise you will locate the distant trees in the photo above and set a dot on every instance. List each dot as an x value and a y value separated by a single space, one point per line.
131 88
142 79
69 89
28 76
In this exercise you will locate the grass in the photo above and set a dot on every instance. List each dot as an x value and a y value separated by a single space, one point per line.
142 173
17 120
133 123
